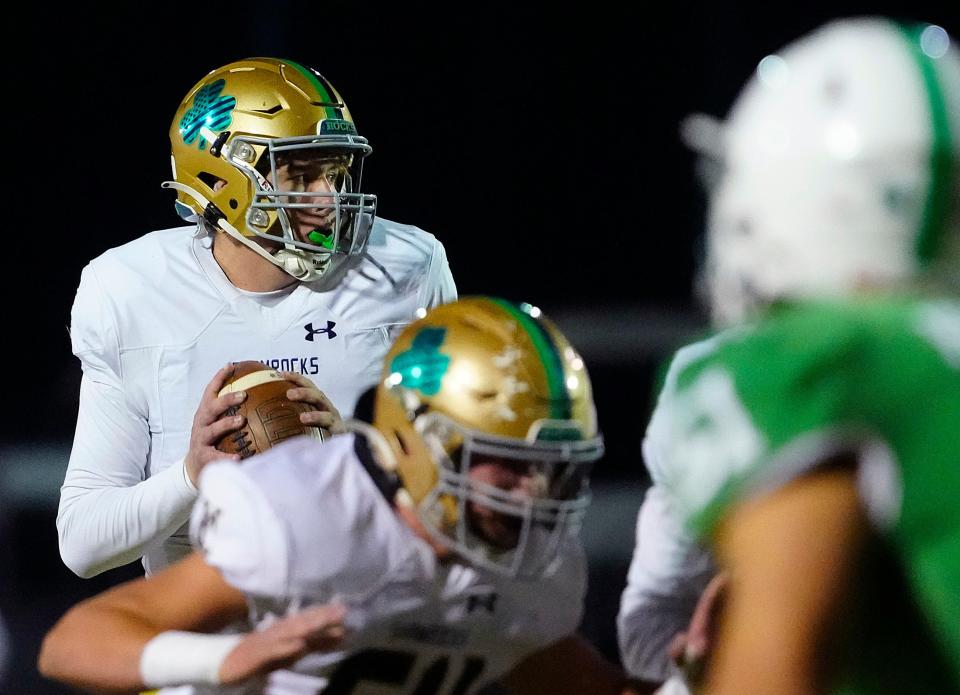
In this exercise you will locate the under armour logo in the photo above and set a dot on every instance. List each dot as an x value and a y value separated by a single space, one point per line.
311 331
488 601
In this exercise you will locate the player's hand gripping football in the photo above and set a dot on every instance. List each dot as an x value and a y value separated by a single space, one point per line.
209 424
326 416
287 640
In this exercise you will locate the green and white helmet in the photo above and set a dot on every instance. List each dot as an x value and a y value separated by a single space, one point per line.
838 169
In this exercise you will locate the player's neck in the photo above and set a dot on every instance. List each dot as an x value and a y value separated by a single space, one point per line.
245 269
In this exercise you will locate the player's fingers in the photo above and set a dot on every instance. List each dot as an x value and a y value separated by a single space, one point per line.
209 453
312 396
218 380
289 645
321 627
314 619
213 408
327 615
320 418
677 648
708 606
704 619
306 395
218 406
298 379
303 382
325 633
212 433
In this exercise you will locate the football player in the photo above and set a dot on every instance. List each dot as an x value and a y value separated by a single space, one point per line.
439 544
814 445
284 262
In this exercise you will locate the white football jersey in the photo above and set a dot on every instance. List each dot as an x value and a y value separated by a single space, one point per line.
305 523
156 318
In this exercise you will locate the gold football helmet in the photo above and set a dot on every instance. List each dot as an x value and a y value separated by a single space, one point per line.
236 139
482 380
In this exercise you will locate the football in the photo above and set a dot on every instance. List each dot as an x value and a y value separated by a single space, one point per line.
270 416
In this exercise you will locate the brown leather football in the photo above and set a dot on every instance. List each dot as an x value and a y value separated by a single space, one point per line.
270 416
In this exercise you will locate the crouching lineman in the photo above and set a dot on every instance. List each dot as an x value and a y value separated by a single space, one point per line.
433 552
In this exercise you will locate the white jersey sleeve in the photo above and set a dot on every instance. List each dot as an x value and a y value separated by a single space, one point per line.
438 286
109 512
285 525
669 570
667 574
236 528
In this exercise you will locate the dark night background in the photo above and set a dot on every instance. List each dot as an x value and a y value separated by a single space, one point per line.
539 145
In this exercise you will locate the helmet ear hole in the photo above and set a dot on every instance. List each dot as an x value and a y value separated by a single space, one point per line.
213 182
233 203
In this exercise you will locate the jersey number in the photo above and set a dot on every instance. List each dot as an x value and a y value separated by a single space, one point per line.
389 667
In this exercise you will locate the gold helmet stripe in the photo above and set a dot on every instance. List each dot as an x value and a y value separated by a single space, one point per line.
560 405
328 98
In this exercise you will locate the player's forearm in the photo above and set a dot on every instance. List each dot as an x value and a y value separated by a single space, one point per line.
102 526
645 631
668 573
787 598
96 648
143 633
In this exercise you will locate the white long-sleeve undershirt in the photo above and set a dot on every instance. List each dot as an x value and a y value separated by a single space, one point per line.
109 512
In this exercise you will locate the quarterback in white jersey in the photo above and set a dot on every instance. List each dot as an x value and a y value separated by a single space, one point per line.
286 264
446 532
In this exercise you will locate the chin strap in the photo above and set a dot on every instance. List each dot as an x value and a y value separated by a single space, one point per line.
377 442
292 261
295 262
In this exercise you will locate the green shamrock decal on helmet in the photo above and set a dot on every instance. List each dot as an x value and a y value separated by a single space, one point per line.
422 366
210 110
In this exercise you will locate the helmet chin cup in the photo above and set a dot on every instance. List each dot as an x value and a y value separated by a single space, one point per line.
302 265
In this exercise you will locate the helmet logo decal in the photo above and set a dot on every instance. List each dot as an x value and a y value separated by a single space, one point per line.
210 110
508 362
508 357
423 366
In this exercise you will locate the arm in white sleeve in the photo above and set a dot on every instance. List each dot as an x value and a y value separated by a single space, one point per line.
669 569
438 286
109 512
668 573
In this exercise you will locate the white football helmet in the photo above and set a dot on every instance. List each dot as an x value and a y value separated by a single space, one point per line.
838 169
